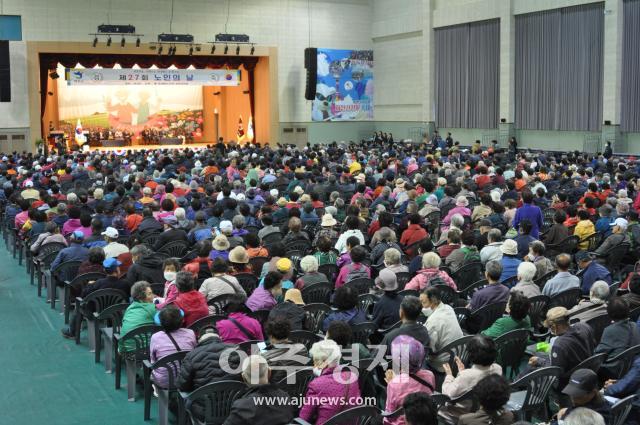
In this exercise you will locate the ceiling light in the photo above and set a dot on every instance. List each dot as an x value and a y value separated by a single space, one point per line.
122 42
191 51
226 49
213 49
95 42
160 50
109 41
253 49
138 42
238 50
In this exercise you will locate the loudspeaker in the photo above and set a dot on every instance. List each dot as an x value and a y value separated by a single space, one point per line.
5 77
311 65
607 122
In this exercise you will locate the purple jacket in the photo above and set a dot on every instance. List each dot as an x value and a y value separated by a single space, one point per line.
325 385
231 334
531 213
260 299
161 346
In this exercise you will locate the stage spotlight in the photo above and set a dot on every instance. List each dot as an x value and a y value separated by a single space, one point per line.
109 41
226 49
138 42
213 49
95 42
238 50
253 49
54 75
160 50
191 51
122 42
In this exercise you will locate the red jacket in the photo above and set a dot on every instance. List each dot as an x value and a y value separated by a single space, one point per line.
413 234
193 304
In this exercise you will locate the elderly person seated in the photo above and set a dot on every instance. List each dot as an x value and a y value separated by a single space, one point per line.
51 234
482 356
563 280
284 356
346 303
595 305
309 266
460 208
189 300
356 269
493 393
220 283
419 409
633 297
583 390
452 243
265 297
250 409
618 236
392 261
525 285
518 318
457 222
140 312
329 384
291 309
430 274
249 329
536 256
491 251
387 240
295 233
467 253
408 375
442 325
172 338
385 310
618 336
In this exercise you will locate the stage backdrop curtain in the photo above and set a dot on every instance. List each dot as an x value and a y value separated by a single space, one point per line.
49 61
559 69
630 111
468 75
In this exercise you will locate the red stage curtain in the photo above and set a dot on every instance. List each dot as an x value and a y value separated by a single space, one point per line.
49 61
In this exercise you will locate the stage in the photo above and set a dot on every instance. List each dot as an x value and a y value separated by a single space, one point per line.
122 149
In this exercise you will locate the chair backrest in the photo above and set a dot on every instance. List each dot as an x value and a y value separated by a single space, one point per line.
272 238
203 324
615 255
594 362
511 347
248 281
538 309
467 275
175 249
99 300
467 292
411 292
366 302
598 323
484 317
537 384
624 360
510 281
314 315
250 347
260 315
620 410
47 258
50 247
305 338
220 302
137 340
403 278
330 271
543 279
300 245
412 250
113 315
361 285
361 415
295 384
439 399
150 239
457 348
171 364
634 314
81 280
448 295
362 332
317 293
216 400
257 263
567 298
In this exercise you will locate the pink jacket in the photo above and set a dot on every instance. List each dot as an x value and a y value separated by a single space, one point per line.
401 386
337 396
231 334
170 295
456 210
422 278
70 226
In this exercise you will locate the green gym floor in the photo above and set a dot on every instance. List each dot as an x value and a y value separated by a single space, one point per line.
44 378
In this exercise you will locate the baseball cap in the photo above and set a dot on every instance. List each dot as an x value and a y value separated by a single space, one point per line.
28 183
582 256
225 225
77 235
581 383
284 265
111 263
170 220
620 222
110 232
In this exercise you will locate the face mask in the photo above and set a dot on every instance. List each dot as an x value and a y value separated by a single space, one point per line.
317 371
170 276
427 311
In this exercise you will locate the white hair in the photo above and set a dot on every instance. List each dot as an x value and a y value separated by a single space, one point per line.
583 416
599 291
255 370
180 213
526 271
431 260
457 221
326 351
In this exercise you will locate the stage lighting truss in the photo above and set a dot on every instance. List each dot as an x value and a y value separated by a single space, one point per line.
135 38
172 47
214 46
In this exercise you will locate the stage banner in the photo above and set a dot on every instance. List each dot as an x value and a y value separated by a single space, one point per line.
344 90
176 110
150 77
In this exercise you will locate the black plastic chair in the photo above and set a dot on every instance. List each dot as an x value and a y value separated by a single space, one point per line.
300 245
202 325
361 415
409 292
362 332
544 278
593 241
257 263
467 292
457 348
594 362
620 410
361 285
484 317
634 314
314 315
220 302
468 274
250 347
49 278
95 302
174 249
248 281
215 401
613 258
140 338
260 315
529 394
366 302
271 239
538 310
150 239
111 318
568 245
449 418
403 278
623 361
510 282
330 271
317 293
171 364
78 283
305 338
598 324
448 295
38 263
296 383
511 347
566 299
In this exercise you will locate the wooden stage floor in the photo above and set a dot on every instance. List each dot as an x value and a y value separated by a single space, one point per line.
119 149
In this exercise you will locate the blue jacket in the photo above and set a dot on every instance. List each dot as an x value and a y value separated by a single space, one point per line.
531 213
352 317
629 384
509 267
74 252
594 272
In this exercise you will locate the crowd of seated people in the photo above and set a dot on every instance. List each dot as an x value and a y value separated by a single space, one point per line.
383 250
